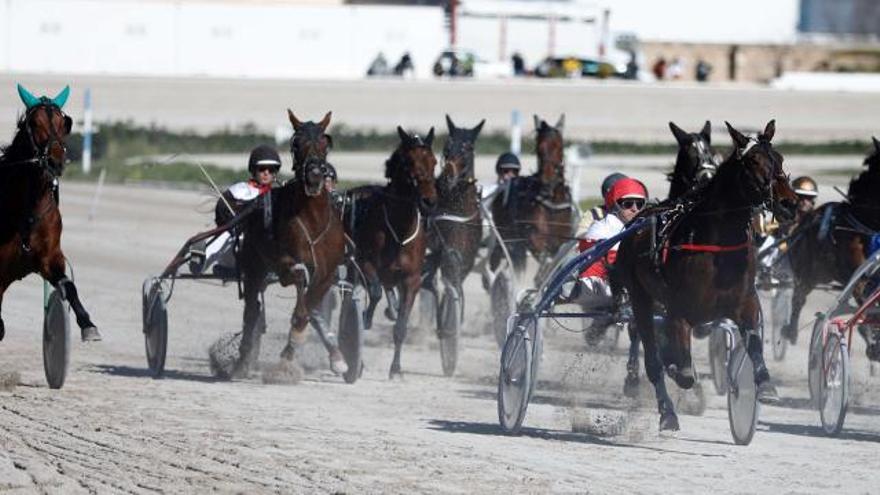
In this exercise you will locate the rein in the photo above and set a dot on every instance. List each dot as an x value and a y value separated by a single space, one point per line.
394 235
316 240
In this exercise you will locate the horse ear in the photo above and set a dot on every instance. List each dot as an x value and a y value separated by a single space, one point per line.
739 139
681 136
537 121
61 98
560 124
876 144
325 121
449 124
404 137
706 131
429 139
293 120
770 130
27 98
476 130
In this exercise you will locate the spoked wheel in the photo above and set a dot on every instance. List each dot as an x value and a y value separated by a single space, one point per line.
742 397
719 351
834 384
781 312
56 340
448 324
814 361
155 327
515 377
502 306
351 336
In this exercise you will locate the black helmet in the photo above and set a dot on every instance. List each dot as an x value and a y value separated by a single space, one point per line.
330 172
609 181
264 156
507 161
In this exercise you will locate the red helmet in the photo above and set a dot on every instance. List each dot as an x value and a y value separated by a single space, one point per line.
626 187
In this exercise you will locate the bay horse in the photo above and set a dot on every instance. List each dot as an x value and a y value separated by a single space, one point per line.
298 235
702 268
30 222
387 225
833 240
695 162
537 213
455 229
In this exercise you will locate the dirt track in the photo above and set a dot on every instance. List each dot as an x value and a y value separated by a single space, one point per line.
113 429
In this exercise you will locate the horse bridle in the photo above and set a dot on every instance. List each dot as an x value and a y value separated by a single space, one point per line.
312 159
41 154
767 195
708 165
468 168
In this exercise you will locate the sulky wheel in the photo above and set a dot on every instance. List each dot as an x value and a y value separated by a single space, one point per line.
449 321
56 339
814 359
742 397
351 336
515 378
502 306
719 352
834 384
155 327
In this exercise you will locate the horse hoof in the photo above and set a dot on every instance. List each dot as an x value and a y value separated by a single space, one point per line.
390 314
767 393
90 334
288 353
337 363
395 372
669 422
631 386
684 378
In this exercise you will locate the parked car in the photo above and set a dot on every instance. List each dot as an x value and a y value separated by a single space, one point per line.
578 67
465 63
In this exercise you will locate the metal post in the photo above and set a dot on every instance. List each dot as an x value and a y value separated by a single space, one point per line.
452 23
87 133
515 133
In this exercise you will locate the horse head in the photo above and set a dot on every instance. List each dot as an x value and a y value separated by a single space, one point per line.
309 146
763 181
872 161
696 161
458 154
548 148
411 167
46 127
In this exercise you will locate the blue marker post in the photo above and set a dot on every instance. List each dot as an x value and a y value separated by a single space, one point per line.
515 133
87 133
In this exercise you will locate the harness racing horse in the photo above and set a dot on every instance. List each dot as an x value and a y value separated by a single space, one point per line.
537 211
387 225
30 222
834 240
297 235
455 230
695 162
702 267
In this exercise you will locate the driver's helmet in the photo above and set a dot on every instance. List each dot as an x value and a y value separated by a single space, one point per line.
330 173
805 186
610 181
507 161
623 189
264 156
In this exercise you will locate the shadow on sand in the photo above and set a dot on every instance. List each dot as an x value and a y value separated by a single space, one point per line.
815 431
131 372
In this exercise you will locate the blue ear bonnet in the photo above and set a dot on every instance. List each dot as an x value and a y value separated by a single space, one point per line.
31 101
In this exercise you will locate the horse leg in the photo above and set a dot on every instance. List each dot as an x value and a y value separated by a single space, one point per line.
631 383
314 298
2 325
750 331
298 321
53 271
408 290
677 355
251 333
798 299
374 294
643 309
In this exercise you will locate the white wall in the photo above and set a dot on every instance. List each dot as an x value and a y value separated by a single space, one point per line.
222 39
707 21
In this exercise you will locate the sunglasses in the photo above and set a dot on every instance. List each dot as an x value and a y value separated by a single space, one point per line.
811 199
628 203
260 170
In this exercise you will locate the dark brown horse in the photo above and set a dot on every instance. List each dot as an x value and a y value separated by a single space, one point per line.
387 225
537 214
455 229
832 241
302 242
702 269
695 162
30 223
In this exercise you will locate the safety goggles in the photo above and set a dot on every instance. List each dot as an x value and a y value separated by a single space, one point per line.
629 203
809 199
270 169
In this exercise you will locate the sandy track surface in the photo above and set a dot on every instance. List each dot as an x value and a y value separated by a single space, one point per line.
113 429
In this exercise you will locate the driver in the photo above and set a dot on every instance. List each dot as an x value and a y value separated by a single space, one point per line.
807 191
263 165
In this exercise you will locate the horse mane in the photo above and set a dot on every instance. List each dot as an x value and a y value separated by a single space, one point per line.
863 188
20 147
396 160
